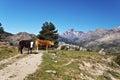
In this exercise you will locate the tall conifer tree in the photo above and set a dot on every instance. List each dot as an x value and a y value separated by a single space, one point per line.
1 29
48 32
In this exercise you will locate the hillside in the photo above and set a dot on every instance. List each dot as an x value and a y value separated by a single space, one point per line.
75 65
4 36
20 36
95 40
13 39
7 51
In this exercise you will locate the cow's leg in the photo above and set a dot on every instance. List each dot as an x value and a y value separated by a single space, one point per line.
31 51
46 48
28 50
21 50
37 49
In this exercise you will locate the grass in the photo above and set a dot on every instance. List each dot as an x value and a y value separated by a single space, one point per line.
65 63
7 51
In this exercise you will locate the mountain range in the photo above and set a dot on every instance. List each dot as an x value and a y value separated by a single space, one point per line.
94 40
109 40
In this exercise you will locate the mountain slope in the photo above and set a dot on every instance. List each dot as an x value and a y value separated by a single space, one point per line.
21 36
76 65
4 35
101 38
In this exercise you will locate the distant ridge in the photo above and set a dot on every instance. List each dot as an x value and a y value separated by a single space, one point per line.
21 36
13 39
94 40
101 38
4 36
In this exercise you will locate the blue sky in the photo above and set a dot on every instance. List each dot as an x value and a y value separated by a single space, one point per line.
82 15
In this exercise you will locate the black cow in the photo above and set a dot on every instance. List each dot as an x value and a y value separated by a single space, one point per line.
25 44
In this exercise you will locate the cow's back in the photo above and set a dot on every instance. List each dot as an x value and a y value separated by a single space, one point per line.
44 43
47 42
39 42
24 43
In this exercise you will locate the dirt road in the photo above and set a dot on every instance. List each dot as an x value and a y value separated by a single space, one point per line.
20 68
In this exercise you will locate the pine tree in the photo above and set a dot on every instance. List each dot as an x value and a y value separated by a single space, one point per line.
1 29
0 24
49 32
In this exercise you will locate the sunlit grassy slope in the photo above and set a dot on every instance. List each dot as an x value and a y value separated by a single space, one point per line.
7 51
75 65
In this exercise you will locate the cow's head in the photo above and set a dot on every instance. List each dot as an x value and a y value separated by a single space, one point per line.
52 43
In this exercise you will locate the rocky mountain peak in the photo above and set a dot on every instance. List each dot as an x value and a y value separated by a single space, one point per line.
108 39
116 29
22 33
72 34
70 30
101 30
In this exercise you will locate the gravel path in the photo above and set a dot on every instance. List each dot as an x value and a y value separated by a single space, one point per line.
21 68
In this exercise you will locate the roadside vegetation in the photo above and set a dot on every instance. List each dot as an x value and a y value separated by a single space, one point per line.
76 65
7 51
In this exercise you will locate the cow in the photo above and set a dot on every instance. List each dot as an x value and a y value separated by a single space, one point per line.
25 44
43 43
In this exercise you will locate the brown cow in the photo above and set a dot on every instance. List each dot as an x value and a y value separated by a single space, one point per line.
43 43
